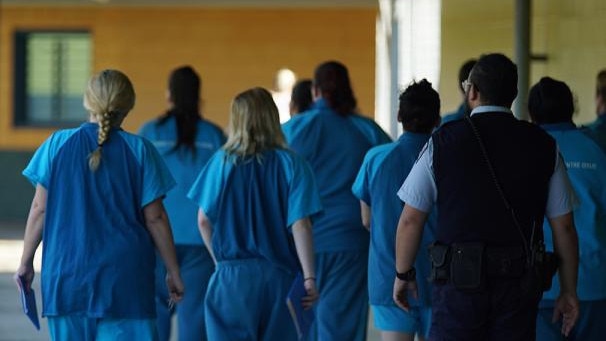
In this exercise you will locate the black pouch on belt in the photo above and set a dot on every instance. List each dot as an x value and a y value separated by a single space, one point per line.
439 256
467 266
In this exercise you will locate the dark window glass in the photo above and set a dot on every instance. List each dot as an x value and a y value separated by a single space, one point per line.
51 72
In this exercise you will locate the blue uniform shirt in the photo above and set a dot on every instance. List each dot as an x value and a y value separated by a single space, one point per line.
384 169
586 165
252 204
185 167
456 115
98 257
597 131
335 146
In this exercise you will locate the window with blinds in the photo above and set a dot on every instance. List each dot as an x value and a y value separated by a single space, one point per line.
51 72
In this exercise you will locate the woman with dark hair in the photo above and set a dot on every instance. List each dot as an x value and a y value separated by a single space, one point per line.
300 99
186 141
334 139
255 197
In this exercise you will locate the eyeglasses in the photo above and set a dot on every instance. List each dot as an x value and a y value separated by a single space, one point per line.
466 85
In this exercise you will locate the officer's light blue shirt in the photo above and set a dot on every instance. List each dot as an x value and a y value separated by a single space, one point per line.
252 204
419 189
98 257
185 167
384 169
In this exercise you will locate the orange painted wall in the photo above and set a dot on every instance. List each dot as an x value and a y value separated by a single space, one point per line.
232 49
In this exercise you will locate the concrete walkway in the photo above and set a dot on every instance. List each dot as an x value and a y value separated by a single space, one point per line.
14 325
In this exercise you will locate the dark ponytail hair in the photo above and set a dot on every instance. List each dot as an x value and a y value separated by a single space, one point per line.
184 87
332 80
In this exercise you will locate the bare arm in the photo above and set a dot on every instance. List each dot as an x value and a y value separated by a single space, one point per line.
158 226
365 211
408 238
33 236
302 235
566 247
206 231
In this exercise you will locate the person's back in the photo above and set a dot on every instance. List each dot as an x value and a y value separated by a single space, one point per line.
384 169
524 166
186 141
597 129
97 189
255 197
492 178
333 139
551 106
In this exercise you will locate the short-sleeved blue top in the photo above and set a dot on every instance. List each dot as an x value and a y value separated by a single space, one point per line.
252 203
597 131
185 167
335 145
384 169
586 165
98 257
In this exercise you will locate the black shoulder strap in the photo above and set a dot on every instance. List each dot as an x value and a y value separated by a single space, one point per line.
500 190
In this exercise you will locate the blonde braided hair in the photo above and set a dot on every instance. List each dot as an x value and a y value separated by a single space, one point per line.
109 97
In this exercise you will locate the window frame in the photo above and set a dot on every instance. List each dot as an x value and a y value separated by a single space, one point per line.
20 84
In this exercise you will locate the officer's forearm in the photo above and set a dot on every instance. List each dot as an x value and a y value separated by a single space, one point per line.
408 237
566 246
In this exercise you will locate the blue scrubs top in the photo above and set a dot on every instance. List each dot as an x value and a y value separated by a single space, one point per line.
586 164
381 175
252 203
185 167
98 258
334 146
597 131
455 115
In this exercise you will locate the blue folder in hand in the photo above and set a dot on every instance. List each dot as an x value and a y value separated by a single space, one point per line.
300 317
28 301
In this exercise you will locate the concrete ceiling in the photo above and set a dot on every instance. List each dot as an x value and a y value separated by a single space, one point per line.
211 3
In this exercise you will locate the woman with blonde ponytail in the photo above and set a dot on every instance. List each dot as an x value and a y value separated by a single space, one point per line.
98 200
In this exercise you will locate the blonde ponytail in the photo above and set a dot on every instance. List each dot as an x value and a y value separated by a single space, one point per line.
109 97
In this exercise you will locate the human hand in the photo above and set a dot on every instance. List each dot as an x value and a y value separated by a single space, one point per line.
312 293
567 309
401 289
175 287
24 276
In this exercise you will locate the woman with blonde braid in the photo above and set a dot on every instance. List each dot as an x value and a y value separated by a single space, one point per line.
98 200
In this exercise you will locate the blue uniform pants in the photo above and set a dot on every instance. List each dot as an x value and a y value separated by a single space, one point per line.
246 300
590 326
79 328
342 310
196 267
502 311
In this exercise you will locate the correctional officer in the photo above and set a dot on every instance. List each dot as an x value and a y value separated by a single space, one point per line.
492 178
550 105
384 169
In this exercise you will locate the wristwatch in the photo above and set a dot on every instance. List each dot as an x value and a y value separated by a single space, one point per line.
408 276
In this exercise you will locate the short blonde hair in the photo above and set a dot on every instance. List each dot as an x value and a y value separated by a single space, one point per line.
254 124
109 96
